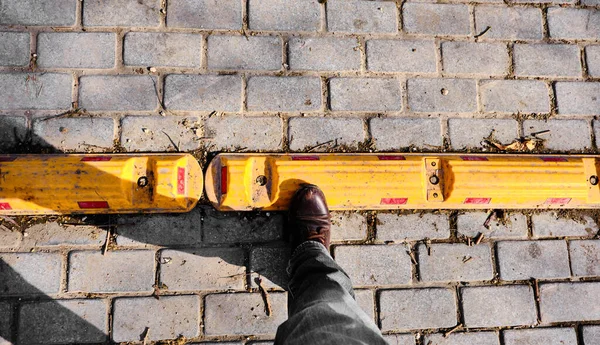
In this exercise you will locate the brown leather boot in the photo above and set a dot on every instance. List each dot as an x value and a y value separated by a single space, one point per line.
309 218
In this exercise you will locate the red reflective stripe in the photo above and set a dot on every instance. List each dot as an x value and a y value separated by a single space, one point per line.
394 201
473 158
558 200
4 206
223 180
7 158
92 204
391 158
96 159
180 181
305 158
478 201
554 159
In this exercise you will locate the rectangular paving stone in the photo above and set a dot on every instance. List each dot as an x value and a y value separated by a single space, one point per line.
361 16
569 302
203 92
160 133
311 131
454 262
585 258
41 12
564 135
514 225
549 60
55 234
267 93
184 229
412 227
578 98
400 339
81 134
347 226
409 55
591 335
203 269
13 129
282 15
205 14
510 23
396 133
251 133
487 306
270 264
375 265
436 19
592 54
521 260
14 48
30 273
365 94
244 53
545 1
479 338
470 133
475 58
442 95
515 96
549 224
6 310
366 302
220 227
550 336
179 316
243 313
76 50
571 23
125 92
417 309
324 54
117 271
121 13
162 49
35 91
59 322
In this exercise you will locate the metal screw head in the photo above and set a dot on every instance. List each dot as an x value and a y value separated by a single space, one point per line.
435 195
593 180
142 181
261 180
433 179
433 164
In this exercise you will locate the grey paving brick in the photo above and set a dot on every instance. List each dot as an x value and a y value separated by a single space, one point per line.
400 339
545 1
284 93
361 16
29 273
585 258
55 234
160 133
311 131
270 264
365 94
302 15
455 262
244 53
569 302
469 133
14 48
551 60
549 224
35 91
412 227
571 23
515 96
480 338
205 14
42 12
243 313
222 227
178 317
442 95
592 54
510 23
409 55
10 239
578 98
487 306
324 54
76 50
436 19
375 265
514 225
203 269
564 135
591 335
97 92
183 229
203 92
416 309
60 322
347 226
366 302
82 134
162 49
121 13
13 129
521 260
252 133
475 58
117 271
396 133
550 336
6 310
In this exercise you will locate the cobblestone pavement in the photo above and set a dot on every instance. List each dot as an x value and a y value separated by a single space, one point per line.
277 75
